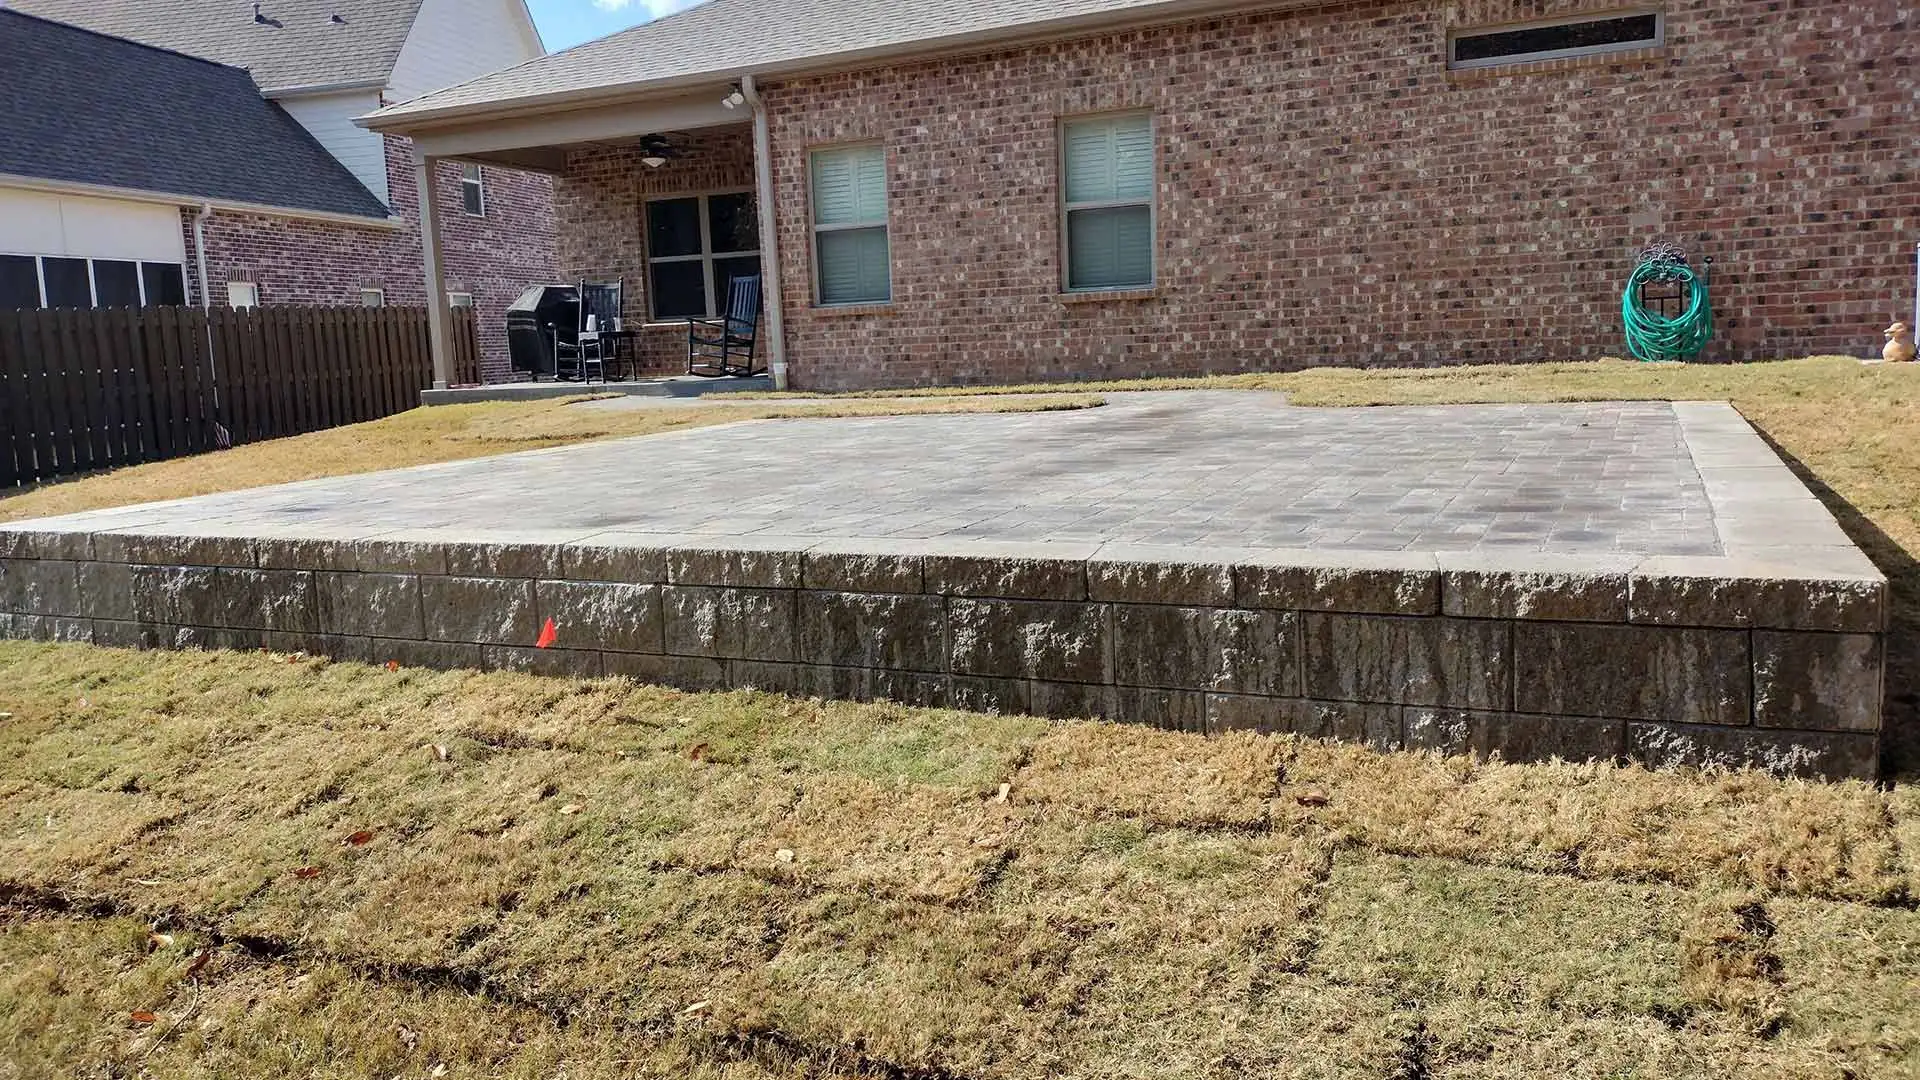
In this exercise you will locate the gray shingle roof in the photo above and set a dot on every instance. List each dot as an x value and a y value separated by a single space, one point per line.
119 114
725 38
307 48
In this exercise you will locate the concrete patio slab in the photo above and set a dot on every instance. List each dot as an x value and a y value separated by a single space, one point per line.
1440 575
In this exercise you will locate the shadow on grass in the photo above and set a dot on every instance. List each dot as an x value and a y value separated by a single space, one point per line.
1900 731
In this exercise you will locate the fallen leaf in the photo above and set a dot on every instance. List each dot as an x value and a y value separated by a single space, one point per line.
548 635
698 752
440 751
570 809
785 855
697 1006
409 1036
158 940
1312 798
358 839
142 1016
1005 790
199 963
306 873
393 665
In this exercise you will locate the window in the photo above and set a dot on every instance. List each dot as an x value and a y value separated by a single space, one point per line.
164 284
243 294
68 284
473 192
88 283
696 246
373 298
1107 167
19 282
1555 40
850 226
116 283
460 300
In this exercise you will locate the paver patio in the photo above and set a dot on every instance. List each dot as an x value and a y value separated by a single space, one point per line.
1208 468
1642 580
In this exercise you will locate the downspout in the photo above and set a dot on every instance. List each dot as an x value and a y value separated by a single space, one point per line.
769 242
200 251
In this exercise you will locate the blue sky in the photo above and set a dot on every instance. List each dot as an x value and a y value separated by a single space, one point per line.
565 23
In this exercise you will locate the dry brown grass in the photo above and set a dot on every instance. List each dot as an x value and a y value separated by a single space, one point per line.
443 433
599 879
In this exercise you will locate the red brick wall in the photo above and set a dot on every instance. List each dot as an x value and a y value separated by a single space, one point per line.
1330 194
495 256
599 207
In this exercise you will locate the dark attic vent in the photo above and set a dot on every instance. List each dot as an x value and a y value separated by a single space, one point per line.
1553 41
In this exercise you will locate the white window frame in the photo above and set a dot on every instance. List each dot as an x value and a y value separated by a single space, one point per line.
373 297
459 300
251 292
706 255
885 224
471 176
1151 202
1659 39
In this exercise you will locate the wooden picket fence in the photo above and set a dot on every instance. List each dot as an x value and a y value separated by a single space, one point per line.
87 390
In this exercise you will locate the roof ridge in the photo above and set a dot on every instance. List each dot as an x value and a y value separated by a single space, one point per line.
91 32
602 39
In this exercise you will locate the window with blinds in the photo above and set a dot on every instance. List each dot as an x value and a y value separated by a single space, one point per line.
1107 168
850 225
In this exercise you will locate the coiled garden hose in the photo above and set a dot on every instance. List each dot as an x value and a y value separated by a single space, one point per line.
1652 336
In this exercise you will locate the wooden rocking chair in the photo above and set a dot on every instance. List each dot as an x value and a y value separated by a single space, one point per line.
725 346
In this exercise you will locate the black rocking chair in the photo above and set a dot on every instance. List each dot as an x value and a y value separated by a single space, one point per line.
725 346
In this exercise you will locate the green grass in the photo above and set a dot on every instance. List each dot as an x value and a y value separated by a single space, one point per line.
596 878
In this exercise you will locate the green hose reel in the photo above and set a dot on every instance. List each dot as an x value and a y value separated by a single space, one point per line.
1653 335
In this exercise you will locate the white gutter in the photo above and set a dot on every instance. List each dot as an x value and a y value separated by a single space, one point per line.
200 252
104 191
771 298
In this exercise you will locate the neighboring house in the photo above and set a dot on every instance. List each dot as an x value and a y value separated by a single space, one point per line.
1001 190
138 151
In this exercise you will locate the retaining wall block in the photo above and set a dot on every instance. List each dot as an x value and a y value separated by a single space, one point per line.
615 616
1030 639
744 624
905 632
1225 649
1461 663
1829 682
1685 675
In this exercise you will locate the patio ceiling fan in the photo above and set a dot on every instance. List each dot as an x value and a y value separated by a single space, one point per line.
656 150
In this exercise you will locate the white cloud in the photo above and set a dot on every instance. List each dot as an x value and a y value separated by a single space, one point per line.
653 8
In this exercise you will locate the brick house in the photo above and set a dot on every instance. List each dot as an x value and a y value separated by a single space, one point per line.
250 226
998 190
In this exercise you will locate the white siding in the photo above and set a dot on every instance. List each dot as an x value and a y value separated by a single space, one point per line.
329 117
456 40
36 223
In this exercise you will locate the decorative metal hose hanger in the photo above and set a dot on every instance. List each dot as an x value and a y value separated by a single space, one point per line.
1655 335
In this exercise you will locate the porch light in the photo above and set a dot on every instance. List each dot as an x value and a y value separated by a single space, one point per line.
735 98
653 161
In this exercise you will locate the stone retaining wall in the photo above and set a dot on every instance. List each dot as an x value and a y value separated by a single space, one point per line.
1664 661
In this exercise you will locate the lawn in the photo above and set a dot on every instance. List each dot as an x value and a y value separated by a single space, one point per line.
258 865
263 865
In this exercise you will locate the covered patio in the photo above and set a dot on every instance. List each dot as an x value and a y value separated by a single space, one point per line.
668 198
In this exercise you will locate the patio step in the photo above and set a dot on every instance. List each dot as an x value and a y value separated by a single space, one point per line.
673 386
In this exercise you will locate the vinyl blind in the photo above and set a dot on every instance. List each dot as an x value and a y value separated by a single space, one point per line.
1108 167
850 225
